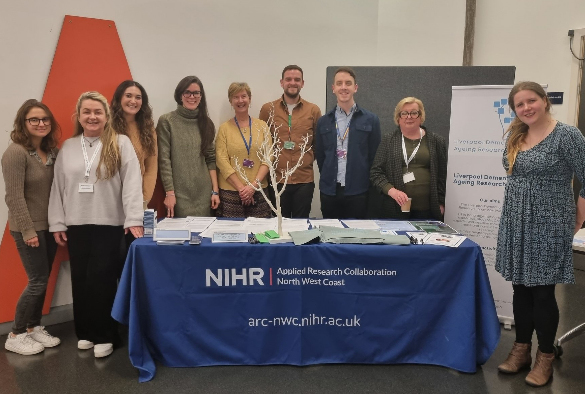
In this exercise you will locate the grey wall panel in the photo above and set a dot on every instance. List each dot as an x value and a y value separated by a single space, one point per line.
381 88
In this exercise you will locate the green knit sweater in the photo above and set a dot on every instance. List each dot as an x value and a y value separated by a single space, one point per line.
182 167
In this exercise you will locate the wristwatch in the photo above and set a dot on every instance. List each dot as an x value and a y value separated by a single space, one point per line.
214 193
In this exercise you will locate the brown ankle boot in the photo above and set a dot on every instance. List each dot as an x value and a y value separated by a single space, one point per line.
542 371
519 358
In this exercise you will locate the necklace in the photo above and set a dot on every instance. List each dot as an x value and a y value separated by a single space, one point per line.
541 137
90 142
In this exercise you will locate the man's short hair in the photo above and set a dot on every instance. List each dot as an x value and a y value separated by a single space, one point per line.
348 70
292 67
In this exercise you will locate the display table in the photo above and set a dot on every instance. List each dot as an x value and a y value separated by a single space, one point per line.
242 304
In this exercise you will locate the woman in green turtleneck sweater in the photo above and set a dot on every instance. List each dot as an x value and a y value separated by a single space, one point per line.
186 153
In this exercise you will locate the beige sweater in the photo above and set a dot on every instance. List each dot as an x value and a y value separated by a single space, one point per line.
148 164
28 185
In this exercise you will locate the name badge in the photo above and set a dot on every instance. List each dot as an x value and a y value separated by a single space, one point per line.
248 163
341 153
85 188
289 145
408 177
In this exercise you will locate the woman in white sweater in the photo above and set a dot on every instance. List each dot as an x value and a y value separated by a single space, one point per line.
92 204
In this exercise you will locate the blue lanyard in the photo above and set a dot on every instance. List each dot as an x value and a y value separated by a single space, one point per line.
248 145
346 129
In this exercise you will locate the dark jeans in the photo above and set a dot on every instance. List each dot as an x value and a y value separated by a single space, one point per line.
37 263
535 308
341 206
94 252
295 201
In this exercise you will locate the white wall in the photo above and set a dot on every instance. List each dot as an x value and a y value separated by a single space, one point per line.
420 33
223 41
531 35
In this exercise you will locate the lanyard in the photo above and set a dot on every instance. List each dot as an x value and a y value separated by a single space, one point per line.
407 159
349 117
289 125
88 163
248 145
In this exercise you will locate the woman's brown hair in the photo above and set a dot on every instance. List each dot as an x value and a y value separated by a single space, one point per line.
204 122
143 117
20 134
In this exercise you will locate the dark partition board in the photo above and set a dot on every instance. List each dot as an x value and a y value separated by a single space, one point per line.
381 88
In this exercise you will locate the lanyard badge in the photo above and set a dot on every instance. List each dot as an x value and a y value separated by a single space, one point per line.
342 153
247 162
86 187
409 175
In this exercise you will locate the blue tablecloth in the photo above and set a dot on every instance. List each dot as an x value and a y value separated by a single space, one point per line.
234 304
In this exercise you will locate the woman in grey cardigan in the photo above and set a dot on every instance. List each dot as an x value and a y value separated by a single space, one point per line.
186 153
27 166
411 163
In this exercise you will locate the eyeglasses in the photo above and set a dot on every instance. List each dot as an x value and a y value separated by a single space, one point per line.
37 121
188 93
413 114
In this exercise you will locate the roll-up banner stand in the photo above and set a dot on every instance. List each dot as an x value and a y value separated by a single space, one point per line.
480 116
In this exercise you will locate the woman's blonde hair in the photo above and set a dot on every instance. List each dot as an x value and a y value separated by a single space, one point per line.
409 100
236 87
110 155
518 129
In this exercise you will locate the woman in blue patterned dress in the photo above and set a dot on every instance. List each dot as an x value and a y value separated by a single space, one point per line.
538 221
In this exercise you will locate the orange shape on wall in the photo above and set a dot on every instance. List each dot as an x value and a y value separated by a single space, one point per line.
89 56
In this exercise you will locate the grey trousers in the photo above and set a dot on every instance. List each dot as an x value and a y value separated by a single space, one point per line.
37 263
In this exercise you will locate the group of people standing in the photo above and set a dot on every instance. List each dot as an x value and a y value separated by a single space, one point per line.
88 205
91 194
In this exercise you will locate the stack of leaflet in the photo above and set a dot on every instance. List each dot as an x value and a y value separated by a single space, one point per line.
224 226
316 223
149 222
192 223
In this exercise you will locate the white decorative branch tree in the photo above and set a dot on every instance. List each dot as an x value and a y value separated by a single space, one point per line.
269 153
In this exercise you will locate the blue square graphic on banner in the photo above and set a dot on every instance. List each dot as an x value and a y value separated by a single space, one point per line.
507 120
500 111
496 104
504 101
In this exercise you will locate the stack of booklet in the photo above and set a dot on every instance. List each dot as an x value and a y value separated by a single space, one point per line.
149 222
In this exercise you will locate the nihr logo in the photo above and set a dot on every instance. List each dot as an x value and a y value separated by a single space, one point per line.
234 277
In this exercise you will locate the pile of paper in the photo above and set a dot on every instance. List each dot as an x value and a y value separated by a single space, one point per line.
149 222
193 223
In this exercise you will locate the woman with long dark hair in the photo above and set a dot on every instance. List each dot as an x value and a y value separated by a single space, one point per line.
27 166
132 116
186 153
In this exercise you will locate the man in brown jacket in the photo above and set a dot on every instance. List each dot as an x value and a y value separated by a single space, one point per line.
294 118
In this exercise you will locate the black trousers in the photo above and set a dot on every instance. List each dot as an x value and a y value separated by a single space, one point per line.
295 201
535 308
94 253
341 206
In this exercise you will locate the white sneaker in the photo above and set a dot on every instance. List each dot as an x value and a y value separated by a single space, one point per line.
41 335
23 344
82 344
103 350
